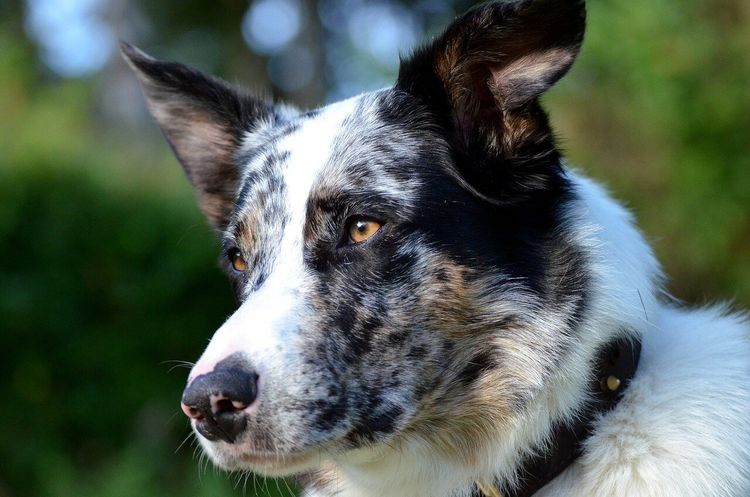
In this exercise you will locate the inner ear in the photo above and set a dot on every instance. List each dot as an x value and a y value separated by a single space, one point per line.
524 79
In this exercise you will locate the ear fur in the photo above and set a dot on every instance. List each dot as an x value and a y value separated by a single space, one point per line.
204 120
483 77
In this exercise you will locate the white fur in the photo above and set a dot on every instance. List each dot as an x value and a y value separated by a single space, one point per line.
683 426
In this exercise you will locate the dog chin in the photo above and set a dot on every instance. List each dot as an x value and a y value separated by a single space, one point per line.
239 458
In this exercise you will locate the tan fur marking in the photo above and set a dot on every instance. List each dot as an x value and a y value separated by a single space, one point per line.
462 423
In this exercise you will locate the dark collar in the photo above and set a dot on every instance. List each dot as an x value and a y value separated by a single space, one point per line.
615 366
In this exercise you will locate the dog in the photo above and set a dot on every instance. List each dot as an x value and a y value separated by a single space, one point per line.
432 302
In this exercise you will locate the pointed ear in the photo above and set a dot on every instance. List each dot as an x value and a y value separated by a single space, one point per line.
205 121
483 77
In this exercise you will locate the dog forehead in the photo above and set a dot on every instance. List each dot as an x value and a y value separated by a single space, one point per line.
280 164
308 151
372 152
357 145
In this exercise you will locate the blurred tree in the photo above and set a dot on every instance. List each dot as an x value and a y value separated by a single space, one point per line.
657 106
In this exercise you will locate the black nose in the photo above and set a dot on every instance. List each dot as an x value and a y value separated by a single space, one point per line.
216 401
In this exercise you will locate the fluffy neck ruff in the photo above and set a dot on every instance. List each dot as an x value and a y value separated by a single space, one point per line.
615 367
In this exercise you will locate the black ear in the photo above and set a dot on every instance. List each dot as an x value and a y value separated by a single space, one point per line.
483 77
205 121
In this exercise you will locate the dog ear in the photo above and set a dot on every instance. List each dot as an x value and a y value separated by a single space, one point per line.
205 121
483 77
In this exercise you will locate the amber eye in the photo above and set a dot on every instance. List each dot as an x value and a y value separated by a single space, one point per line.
362 229
239 264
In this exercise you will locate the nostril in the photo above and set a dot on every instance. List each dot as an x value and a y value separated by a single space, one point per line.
191 412
221 404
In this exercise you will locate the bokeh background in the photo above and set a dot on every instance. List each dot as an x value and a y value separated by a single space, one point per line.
107 271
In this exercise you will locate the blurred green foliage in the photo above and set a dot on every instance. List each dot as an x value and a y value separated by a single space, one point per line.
108 277
658 107
108 273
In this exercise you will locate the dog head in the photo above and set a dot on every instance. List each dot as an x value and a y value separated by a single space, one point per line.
399 258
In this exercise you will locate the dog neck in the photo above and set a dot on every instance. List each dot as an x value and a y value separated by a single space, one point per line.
616 365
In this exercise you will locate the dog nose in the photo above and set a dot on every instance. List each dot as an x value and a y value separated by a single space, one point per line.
216 401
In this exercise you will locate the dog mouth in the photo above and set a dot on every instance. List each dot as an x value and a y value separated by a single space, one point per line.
261 451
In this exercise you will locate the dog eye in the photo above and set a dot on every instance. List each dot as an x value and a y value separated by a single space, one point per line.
239 264
362 229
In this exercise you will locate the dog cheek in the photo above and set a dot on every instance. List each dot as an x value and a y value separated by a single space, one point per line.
452 349
403 364
330 413
377 349
363 373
